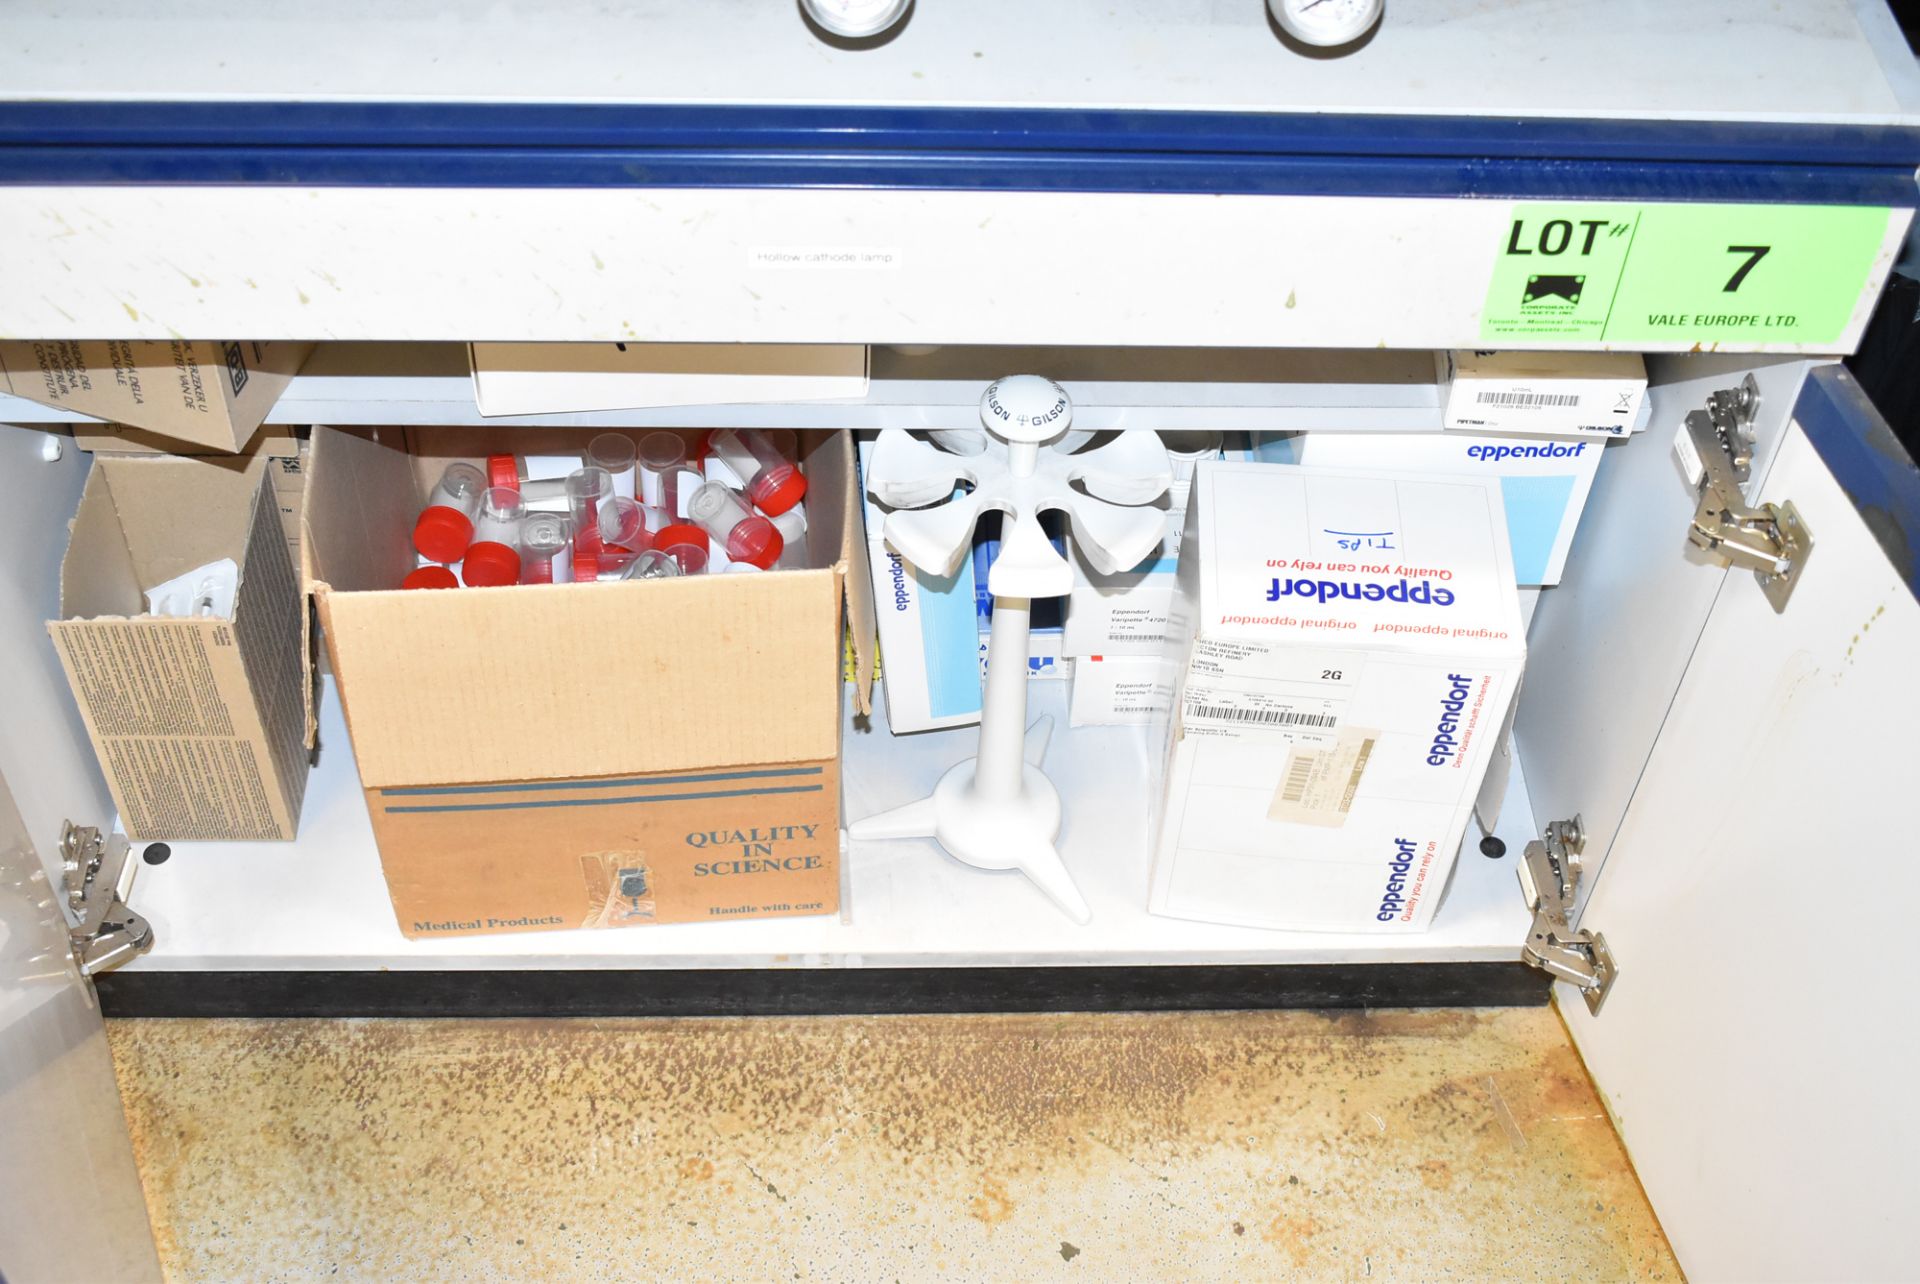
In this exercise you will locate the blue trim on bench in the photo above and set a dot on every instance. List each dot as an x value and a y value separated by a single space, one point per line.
1868 461
425 144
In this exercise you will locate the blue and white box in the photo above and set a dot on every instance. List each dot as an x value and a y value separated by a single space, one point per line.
1333 708
1543 483
929 633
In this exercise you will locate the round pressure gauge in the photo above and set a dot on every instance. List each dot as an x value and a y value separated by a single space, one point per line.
856 19
1326 22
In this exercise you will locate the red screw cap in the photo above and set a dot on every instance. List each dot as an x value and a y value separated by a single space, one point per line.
430 577
442 533
491 565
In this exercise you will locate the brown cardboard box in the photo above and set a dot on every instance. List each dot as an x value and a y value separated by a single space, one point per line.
200 724
573 755
186 391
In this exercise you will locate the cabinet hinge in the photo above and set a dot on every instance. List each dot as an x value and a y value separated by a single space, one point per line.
1550 874
105 933
1715 448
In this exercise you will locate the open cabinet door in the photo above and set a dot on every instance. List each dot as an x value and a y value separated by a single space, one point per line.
1758 1049
70 1201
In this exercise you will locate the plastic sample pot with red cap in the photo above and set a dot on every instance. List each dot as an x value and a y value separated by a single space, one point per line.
445 526
493 556
774 483
745 535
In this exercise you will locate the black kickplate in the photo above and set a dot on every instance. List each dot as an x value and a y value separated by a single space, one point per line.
819 991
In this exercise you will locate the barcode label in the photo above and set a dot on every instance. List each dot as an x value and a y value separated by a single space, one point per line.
1265 717
1299 772
1318 786
1527 400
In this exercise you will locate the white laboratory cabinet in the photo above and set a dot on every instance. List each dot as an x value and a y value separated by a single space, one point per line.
1191 224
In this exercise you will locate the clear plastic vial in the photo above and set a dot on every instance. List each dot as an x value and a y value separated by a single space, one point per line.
792 526
615 453
660 453
650 565
744 534
587 489
545 542
774 482
690 558
623 526
669 522
493 557
445 527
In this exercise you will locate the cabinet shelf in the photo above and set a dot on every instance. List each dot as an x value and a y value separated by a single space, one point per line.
320 904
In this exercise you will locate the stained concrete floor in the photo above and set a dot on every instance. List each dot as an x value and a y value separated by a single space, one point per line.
1378 1146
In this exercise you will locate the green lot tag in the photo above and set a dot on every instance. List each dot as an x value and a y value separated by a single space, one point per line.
1556 272
1740 275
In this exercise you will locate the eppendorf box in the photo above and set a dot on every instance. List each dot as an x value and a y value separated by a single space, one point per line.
200 723
584 755
1333 708
196 392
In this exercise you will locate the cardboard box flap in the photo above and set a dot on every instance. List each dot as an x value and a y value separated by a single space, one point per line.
179 513
834 502
97 576
270 624
656 676
361 536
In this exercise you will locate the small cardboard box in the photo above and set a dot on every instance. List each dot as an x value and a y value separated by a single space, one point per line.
585 755
550 378
1578 393
1333 710
187 391
200 724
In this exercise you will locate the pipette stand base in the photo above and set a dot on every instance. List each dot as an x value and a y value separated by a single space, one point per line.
1002 833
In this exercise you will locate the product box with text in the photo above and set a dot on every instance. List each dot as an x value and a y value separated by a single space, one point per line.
1567 393
549 756
200 721
1333 706
1116 690
193 392
929 631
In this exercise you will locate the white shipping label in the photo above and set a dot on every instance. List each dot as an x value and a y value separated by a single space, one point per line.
1319 784
1252 691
